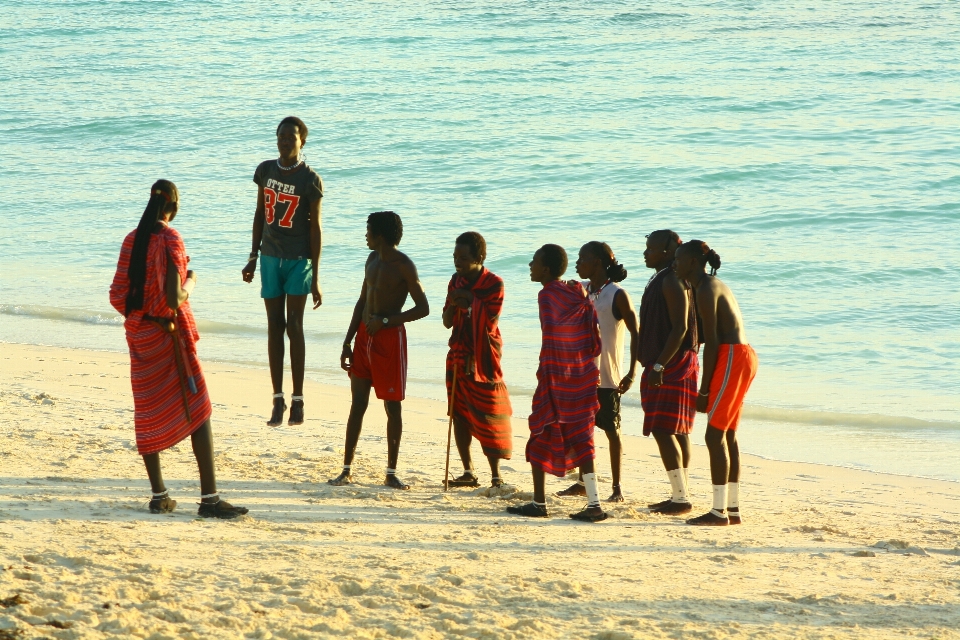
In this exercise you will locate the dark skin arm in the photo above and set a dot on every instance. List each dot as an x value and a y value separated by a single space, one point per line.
676 297
623 310
259 218
707 306
316 248
176 295
355 320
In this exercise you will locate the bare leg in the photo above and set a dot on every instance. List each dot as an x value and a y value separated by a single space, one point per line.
394 411
734 448
616 456
360 390
152 462
539 485
461 432
494 462
202 441
683 440
295 305
670 449
276 326
719 461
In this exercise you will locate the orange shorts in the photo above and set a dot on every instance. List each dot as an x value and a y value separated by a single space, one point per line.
382 358
736 368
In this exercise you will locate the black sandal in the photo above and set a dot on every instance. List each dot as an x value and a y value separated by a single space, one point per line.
531 510
496 483
162 503
466 480
221 509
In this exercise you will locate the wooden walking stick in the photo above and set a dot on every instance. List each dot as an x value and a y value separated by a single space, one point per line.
453 391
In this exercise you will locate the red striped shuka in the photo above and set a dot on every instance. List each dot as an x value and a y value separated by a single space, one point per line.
565 403
159 418
481 399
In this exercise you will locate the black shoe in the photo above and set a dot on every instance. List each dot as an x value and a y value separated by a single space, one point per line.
296 413
659 505
276 418
221 509
733 515
530 510
575 490
710 519
588 515
674 508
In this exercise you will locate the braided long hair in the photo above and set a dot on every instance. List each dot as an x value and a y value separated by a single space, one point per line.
703 254
161 194
614 270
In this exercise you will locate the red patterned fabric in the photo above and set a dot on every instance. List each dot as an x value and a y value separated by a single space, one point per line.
481 400
159 418
565 403
672 406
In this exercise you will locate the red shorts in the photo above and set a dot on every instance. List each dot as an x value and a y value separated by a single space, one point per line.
382 358
736 369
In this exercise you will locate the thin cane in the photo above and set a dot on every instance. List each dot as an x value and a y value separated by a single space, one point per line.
453 391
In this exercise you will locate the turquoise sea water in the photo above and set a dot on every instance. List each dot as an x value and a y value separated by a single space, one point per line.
815 146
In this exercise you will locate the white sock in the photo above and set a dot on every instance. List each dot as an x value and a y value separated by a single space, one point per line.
719 500
686 477
679 486
733 495
593 492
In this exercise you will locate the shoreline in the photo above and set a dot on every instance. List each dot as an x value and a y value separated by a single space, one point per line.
629 408
824 551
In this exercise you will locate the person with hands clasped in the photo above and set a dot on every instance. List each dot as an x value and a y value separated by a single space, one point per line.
668 354
287 241
476 393
599 268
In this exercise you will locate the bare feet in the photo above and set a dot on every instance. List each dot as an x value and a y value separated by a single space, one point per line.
496 482
162 504
296 413
576 489
342 480
394 482
276 418
617 495
674 508
590 514
733 515
710 519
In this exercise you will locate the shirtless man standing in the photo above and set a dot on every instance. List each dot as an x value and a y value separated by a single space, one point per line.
378 358
729 366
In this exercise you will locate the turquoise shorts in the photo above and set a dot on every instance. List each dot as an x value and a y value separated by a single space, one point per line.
279 276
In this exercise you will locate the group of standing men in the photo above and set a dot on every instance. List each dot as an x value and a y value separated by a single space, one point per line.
580 376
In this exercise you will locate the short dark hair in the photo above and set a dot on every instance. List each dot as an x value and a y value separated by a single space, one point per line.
387 225
667 237
475 242
702 253
554 258
294 120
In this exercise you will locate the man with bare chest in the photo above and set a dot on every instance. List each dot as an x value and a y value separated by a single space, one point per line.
378 357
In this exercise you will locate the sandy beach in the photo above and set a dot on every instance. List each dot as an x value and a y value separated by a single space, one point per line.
824 552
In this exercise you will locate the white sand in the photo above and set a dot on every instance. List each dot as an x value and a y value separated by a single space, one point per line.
88 561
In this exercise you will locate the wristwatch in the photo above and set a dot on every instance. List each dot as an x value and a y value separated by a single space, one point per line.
385 319
658 367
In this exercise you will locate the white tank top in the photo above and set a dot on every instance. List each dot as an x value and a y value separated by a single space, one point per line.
611 335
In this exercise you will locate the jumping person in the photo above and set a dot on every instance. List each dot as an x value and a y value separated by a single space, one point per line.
481 404
597 264
378 358
668 354
151 288
729 367
565 403
286 231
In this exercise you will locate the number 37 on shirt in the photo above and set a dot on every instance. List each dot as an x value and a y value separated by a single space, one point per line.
270 200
